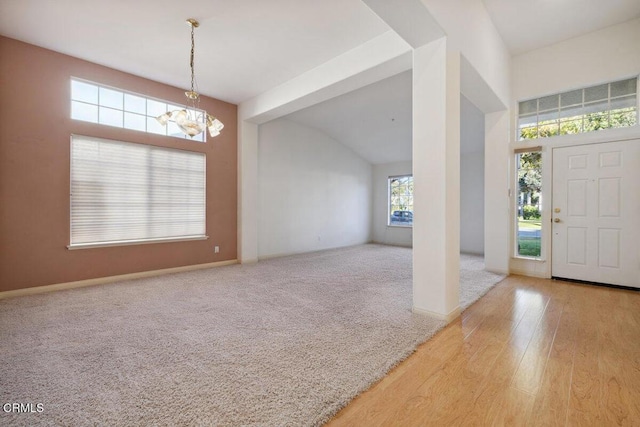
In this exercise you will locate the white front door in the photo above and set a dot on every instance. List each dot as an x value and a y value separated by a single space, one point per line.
596 213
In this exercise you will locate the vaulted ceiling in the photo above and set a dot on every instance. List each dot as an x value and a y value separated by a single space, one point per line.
246 47
374 121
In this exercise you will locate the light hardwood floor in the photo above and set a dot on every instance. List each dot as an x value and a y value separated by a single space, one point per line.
532 352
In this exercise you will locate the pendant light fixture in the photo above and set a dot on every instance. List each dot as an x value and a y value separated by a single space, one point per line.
192 121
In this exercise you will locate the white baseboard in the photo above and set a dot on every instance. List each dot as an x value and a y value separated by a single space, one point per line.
110 279
529 273
530 267
446 317
399 245
304 252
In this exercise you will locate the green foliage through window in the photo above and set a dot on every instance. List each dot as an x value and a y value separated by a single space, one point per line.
530 212
529 204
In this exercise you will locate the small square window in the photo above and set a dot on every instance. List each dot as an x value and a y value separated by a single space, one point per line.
596 93
155 108
528 107
624 88
85 92
154 127
135 121
110 117
135 104
549 103
571 98
84 112
111 98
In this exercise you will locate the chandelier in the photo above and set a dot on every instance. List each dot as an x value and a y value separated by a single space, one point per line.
191 120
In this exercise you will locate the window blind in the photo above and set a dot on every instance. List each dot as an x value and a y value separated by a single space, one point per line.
126 193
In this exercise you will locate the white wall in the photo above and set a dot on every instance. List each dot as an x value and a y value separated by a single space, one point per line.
470 30
602 56
471 178
382 233
472 203
314 193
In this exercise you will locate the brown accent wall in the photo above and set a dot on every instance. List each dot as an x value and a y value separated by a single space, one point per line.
35 130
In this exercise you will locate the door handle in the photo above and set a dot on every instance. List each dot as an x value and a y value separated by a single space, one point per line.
556 219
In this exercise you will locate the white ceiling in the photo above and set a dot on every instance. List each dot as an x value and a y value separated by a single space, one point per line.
374 121
243 47
246 47
531 24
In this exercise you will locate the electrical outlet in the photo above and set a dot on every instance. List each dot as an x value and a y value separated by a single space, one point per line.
216 249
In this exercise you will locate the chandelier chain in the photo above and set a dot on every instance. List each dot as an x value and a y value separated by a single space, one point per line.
191 61
190 119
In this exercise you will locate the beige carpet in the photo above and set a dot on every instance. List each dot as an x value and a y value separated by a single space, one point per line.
288 341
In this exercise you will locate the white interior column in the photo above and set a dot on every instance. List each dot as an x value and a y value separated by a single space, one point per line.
436 177
247 191
496 189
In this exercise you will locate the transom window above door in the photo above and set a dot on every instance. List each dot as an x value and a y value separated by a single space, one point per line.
609 105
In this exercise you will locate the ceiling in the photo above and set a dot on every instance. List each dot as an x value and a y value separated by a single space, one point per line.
526 25
246 47
374 121
243 47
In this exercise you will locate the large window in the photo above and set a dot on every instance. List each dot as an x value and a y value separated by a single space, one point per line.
529 203
91 102
401 200
610 105
125 193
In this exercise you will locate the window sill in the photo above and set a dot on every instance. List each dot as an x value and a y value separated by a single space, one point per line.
399 226
132 242
528 258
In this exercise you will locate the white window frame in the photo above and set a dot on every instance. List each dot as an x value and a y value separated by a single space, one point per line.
390 210
147 116
141 191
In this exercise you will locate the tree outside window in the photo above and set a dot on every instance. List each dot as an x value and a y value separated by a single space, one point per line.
401 200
